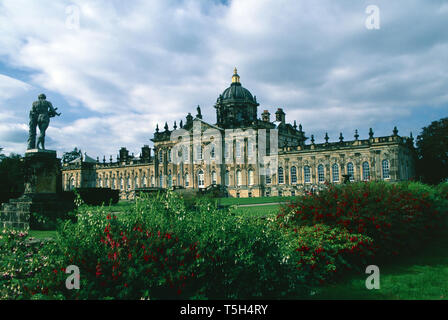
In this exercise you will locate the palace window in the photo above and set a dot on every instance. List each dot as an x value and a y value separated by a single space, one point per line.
351 171
212 152
335 170
293 175
107 182
153 181
161 180
213 177
251 177
250 148
199 152
320 173
307 174
170 179
121 183
144 181
227 178
238 146
169 155
365 171
128 181
201 182
187 180
268 178
385 166
100 183
281 177
185 153
239 178
160 156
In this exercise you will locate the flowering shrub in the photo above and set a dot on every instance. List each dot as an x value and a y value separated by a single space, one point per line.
320 252
161 250
396 216
23 262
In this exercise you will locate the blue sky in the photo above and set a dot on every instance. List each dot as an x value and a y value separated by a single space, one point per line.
131 65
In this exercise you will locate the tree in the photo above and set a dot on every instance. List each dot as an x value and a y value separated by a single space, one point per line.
432 152
11 177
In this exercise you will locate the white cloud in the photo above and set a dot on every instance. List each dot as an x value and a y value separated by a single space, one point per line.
134 64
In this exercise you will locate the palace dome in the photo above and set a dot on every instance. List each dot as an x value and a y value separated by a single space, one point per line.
236 91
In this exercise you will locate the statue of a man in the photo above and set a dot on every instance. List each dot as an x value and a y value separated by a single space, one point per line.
40 114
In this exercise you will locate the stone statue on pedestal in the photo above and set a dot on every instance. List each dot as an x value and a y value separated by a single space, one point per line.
40 114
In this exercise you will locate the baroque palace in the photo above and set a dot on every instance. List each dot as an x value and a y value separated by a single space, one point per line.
233 152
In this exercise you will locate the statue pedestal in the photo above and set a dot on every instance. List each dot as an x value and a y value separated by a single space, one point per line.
43 188
42 172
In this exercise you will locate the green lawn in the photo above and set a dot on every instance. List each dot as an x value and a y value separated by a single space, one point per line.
42 234
257 211
239 201
423 276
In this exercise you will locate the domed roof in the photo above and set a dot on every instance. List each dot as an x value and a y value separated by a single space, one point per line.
236 91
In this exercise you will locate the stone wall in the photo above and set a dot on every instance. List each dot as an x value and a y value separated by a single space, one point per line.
16 213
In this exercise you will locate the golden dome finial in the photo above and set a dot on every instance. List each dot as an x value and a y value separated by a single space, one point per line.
235 77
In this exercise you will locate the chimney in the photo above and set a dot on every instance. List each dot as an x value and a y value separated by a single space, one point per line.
146 153
280 115
266 116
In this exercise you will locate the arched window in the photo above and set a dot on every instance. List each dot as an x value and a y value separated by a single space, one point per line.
239 178
365 171
121 183
351 171
321 173
100 183
144 181
307 174
213 177
251 177
153 181
178 179
128 182
281 177
335 170
107 182
114 185
227 178
187 180
161 180
201 182
136 182
293 175
72 183
385 166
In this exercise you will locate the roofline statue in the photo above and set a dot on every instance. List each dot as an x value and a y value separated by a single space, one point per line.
40 114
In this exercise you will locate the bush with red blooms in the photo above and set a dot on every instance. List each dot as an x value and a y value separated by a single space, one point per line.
398 217
320 253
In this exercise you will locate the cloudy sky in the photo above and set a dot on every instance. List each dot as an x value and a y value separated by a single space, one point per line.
128 65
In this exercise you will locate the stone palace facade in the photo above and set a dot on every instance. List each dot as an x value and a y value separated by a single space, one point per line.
230 153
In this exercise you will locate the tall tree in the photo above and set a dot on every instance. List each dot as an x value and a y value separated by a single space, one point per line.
11 177
432 151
